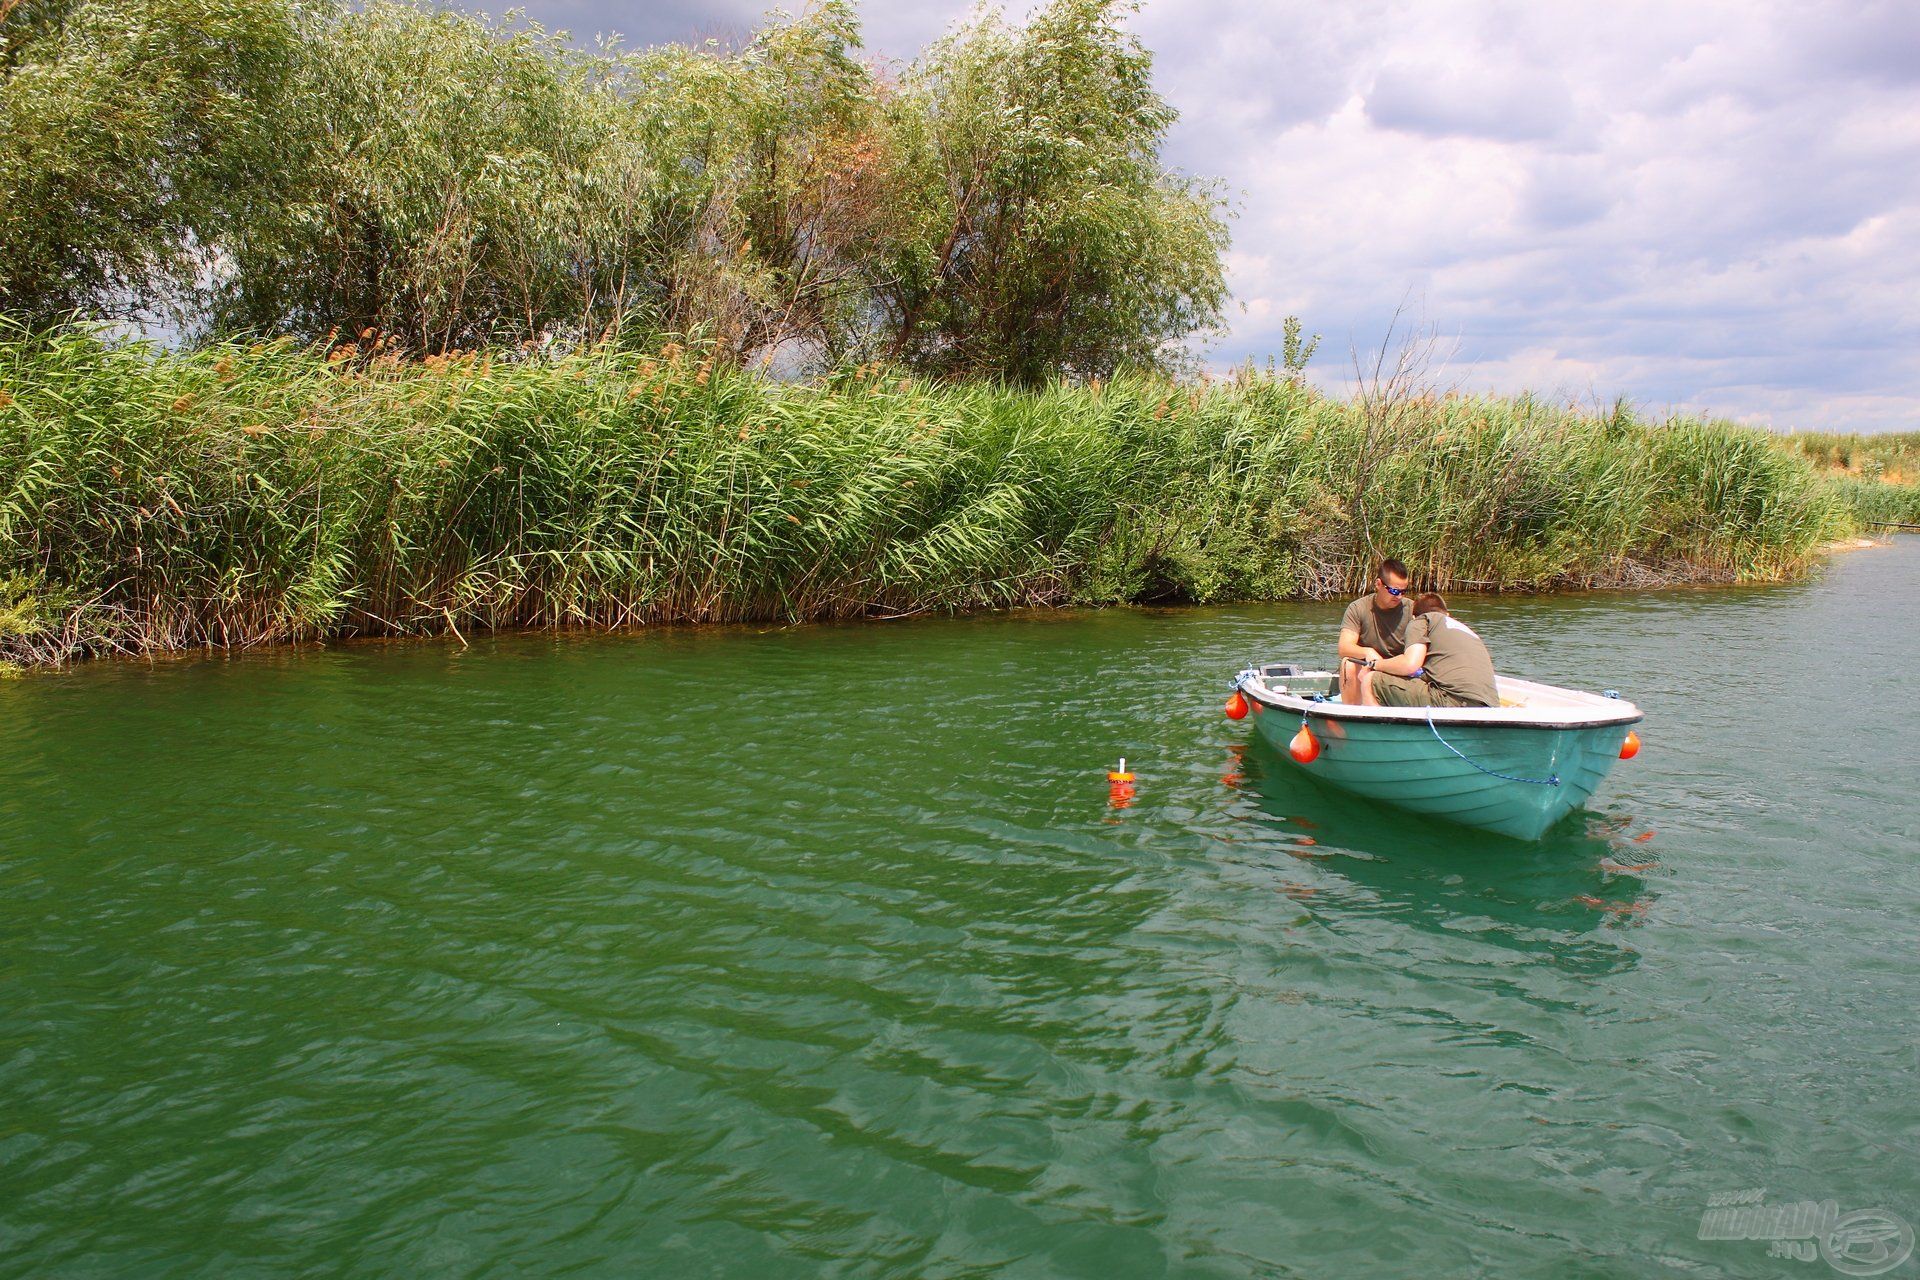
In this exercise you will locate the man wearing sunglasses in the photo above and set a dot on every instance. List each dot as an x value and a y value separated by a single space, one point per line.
1374 628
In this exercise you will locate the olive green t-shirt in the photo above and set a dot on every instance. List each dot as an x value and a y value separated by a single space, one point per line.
1457 662
1384 632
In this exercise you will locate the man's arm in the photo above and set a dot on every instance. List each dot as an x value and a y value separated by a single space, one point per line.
1350 646
1406 664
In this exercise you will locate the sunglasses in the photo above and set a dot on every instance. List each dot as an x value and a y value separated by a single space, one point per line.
1396 592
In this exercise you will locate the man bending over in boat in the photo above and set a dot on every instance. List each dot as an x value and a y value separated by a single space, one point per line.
1445 664
1374 627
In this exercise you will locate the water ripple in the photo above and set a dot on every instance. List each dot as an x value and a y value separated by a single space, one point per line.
823 952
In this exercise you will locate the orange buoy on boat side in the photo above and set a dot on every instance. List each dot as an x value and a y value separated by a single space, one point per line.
1305 747
1237 706
1631 747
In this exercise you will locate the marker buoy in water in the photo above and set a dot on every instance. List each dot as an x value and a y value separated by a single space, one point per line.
1305 747
1631 747
1120 786
1237 706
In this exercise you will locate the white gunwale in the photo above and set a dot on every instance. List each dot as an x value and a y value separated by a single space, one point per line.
1542 706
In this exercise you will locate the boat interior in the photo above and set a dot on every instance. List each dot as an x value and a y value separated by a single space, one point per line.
1515 694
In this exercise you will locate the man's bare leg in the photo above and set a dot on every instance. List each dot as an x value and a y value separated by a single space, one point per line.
1350 682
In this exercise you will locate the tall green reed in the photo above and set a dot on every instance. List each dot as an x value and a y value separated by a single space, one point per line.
251 494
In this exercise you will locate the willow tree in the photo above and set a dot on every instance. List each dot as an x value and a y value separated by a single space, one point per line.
307 166
135 137
463 183
799 188
1043 232
456 184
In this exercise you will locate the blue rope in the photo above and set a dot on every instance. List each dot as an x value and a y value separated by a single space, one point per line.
1551 780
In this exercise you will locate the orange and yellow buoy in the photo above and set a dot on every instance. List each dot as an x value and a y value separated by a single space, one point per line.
1305 747
1120 786
1631 747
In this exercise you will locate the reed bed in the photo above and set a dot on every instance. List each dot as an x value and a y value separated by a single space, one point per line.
1876 505
1892 457
250 494
1874 477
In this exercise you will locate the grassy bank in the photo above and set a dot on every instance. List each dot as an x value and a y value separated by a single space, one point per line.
243 495
1892 457
1877 477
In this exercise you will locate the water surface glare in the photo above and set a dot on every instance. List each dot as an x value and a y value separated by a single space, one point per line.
820 952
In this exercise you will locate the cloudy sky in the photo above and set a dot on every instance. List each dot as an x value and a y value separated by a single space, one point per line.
1703 205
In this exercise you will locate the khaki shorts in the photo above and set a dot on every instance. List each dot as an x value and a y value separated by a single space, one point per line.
1399 691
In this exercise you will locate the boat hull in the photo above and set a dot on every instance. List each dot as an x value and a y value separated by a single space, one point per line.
1492 777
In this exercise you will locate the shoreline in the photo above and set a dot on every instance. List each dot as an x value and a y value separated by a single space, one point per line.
235 497
465 639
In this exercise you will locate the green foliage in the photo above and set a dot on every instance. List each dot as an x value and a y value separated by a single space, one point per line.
1893 457
1872 503
455 184
1042 235
800 188
31 618
23 609
135 135
1296 351
1875 479
474 184
307 167
244 494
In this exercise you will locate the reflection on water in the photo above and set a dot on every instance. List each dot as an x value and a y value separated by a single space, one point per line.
834 950
1364 858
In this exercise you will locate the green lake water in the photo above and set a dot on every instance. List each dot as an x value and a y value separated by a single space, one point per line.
821 951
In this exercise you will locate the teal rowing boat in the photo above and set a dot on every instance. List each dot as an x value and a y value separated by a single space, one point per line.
1516 769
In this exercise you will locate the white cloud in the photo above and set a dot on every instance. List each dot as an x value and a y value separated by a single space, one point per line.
1711 206
1512 103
